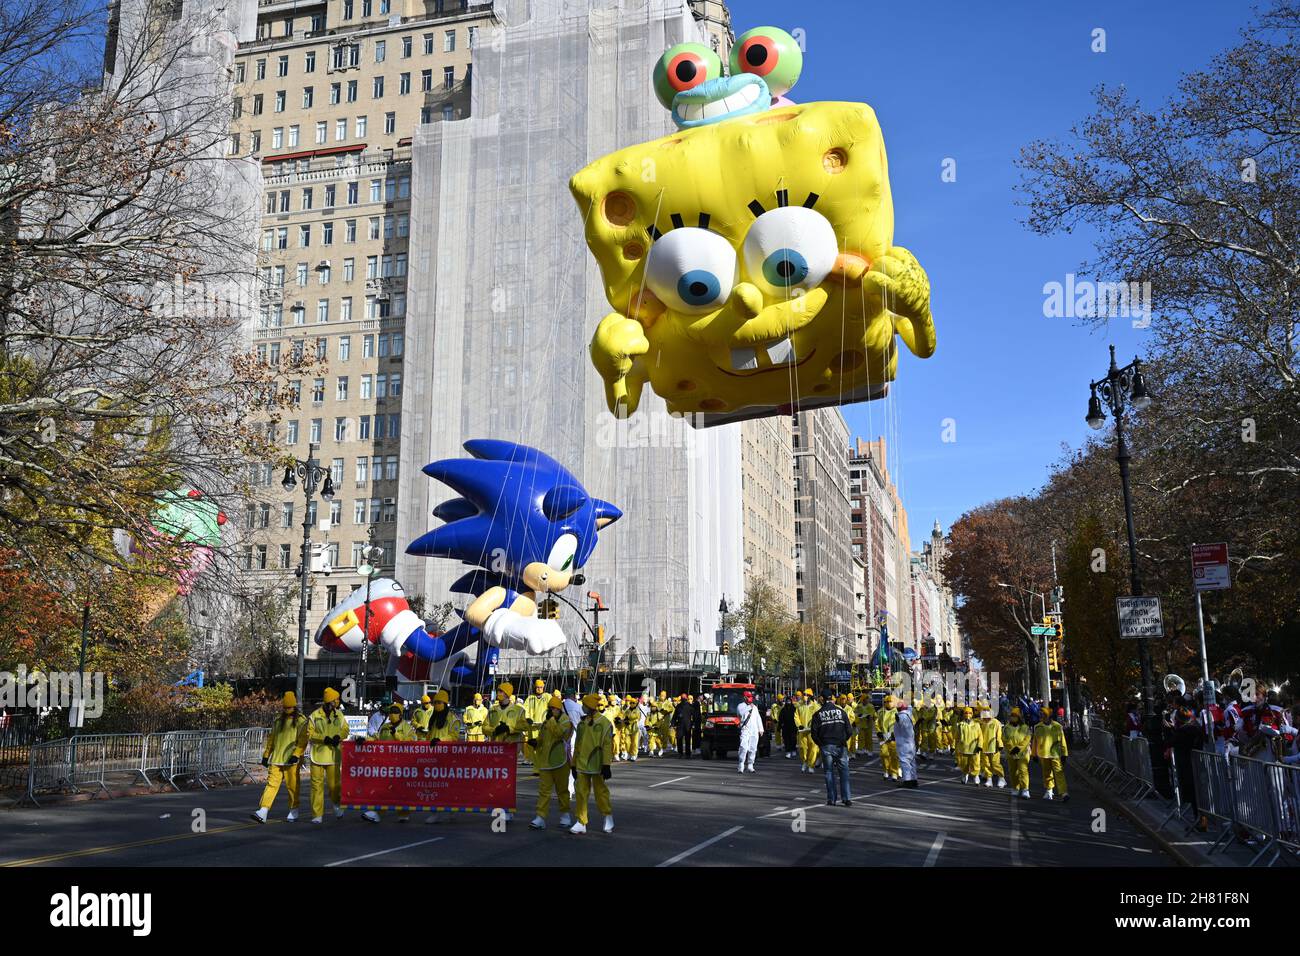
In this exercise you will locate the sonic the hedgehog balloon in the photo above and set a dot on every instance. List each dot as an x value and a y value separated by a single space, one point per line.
749 257
525 524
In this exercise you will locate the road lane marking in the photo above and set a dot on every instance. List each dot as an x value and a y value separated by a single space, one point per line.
699 846
926 813
91 851
935 848
663 783
382 852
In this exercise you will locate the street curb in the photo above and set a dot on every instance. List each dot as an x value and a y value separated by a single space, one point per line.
1114 805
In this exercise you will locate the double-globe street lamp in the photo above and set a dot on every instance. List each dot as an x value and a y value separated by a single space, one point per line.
1121 389
311 474
371 555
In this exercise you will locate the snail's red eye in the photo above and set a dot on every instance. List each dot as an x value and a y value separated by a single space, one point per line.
687 70
759 55
221 517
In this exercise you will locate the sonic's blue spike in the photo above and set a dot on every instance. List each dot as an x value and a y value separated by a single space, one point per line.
464 539
454 509
479 481
562 501
476 582
603 509
495 449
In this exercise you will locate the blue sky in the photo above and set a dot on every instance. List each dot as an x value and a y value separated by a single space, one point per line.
974 82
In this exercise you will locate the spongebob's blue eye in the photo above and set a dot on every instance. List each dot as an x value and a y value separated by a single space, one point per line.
699 287
691 269
790 248
785 267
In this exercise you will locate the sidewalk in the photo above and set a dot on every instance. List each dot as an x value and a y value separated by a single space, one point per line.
1188 846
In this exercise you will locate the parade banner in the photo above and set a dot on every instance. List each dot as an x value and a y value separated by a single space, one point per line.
413 775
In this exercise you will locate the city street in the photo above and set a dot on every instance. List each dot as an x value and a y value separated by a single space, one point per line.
668 812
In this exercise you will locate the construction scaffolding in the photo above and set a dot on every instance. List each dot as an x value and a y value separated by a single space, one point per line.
503 301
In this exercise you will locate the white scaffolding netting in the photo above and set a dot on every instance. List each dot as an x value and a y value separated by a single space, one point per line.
504 298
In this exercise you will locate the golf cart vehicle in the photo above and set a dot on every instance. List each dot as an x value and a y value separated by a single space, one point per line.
721 732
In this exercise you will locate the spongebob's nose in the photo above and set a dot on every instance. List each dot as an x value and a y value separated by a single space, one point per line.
746 300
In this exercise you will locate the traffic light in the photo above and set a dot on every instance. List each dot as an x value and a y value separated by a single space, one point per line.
549 609
1054 655
726 647
600 633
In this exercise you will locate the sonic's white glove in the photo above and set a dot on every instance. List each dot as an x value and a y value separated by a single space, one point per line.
510 631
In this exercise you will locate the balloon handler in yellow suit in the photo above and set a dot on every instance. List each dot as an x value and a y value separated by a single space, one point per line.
593 756
327 728
885 721
970 742
1051 750
1018 740
991 749
551 758
285 745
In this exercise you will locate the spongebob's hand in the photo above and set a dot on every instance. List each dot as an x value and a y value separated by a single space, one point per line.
615 349
905 289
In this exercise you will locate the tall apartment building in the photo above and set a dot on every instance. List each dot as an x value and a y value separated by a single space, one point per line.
944 635
875 523
823 527
328 94
767 491
505 297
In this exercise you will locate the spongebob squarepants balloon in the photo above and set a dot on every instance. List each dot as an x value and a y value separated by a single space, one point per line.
749 257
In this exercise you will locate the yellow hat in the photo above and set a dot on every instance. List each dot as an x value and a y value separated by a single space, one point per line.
441 697
478 698
1015 711
331 695
556 694
967 712
290 699
426 699
780 696
539 683
591 701
395 709
808 691
555 703
505 688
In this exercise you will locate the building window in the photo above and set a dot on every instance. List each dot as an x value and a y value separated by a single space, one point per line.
309 61
282 66
340 429
426 81
449 41
448 77
377 87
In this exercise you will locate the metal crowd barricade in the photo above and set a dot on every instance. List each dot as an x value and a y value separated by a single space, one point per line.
152 760
181 754
48 770
1285 781
87 756
220 756
1102 758
254 747
1256 803
1136 757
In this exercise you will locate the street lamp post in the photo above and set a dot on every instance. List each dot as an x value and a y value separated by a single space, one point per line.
311 473
370 556
1121 388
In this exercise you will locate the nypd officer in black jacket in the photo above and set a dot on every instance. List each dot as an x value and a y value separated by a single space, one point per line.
830 731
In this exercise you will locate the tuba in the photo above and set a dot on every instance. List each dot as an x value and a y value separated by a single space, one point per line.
1175 685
